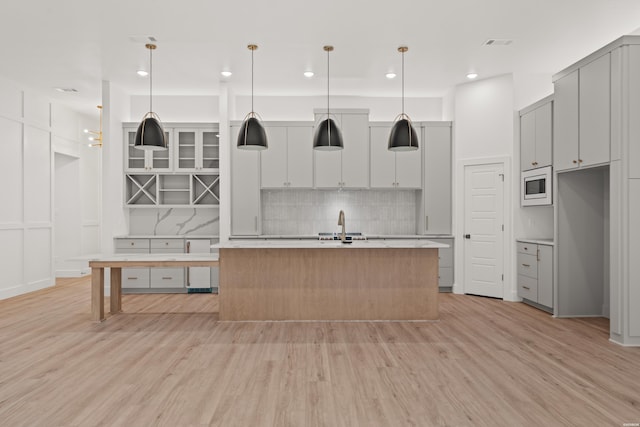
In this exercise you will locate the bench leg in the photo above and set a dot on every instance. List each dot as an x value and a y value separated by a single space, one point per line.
116 290
97 293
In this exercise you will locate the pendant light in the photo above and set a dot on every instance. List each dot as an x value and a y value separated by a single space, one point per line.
327 136
150 135
252 135
403 136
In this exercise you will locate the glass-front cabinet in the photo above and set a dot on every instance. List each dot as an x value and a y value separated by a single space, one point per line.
197 150
137 160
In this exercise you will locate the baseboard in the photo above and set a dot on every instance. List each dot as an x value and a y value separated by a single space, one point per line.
70 273
26 288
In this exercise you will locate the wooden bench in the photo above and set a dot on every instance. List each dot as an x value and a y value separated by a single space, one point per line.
117 262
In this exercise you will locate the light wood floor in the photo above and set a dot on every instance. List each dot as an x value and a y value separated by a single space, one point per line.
168 361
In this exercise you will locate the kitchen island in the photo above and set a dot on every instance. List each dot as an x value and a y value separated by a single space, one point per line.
328 280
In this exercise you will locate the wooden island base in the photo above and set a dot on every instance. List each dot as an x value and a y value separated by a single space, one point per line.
328 284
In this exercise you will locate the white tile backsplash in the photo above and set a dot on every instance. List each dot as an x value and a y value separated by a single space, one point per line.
298 212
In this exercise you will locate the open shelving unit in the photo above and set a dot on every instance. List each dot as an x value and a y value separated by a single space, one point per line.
141 190
205 190
176 190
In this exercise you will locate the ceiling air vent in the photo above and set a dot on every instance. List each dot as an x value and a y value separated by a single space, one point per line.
497 42
66 89
143 39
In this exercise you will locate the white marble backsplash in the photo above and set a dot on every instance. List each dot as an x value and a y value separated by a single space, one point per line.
174 221
299 212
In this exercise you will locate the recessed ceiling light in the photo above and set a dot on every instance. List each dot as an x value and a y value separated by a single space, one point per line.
226 73
66 89
142 73
390 75
472 76
308 74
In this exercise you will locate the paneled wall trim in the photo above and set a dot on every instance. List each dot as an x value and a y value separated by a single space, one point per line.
29 124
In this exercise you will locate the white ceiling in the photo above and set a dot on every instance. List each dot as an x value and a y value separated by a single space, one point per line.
77 43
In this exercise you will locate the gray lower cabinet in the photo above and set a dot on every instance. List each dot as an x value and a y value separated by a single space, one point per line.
445 265
165 279
535 274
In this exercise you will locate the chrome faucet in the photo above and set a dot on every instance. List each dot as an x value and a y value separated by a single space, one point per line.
341 221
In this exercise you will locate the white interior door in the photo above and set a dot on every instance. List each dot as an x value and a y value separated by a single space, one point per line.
484 228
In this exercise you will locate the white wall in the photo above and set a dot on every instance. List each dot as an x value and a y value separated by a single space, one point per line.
116 110
280 108
483 128
301 107
484 118
32 129
176 108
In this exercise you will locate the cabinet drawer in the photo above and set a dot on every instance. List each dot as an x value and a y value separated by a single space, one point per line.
528 265
167 278
135 278
445 257
445 276
527 248
527 288
132 244
176 244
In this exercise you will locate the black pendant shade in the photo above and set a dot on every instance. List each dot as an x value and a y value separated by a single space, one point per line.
327 136
252 135
150 135
403 136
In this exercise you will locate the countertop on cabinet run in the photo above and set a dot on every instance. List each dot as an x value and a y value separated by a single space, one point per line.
368 236
174 236
537 241
329 244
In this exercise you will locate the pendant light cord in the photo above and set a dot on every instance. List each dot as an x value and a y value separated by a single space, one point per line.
151 80
403 82
328 51
252 80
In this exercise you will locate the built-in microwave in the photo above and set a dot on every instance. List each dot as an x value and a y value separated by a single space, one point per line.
536 187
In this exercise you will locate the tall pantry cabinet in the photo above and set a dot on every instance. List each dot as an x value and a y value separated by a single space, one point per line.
597 105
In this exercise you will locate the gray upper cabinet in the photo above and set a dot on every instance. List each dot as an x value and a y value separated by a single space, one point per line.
288 163
565 122
536 135
436 193
393 169
349 167
582 116
595 111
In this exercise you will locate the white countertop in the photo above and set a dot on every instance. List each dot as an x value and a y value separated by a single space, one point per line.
174 236
536 241
369 236
328 244
147 257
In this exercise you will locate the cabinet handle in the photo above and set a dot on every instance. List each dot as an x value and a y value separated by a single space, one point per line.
538 255
526 287
579 160
132 278
575 161
426 222
132 243
526 265
526 248
167 278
